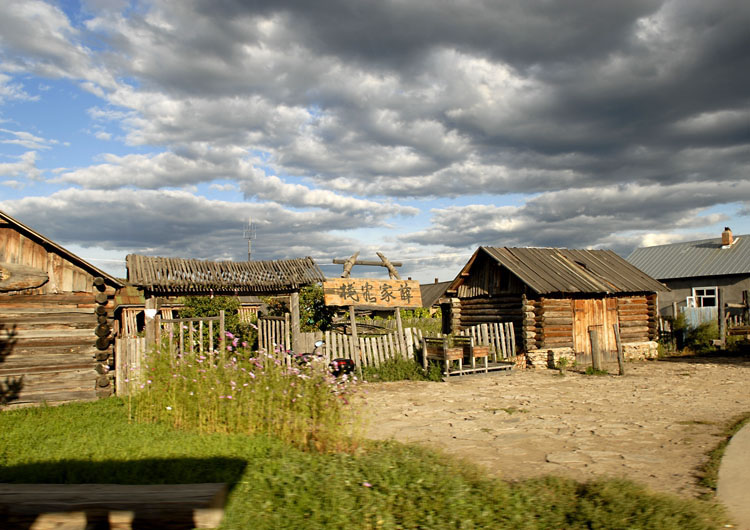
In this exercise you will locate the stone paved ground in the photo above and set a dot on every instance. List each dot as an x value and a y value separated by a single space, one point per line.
653 426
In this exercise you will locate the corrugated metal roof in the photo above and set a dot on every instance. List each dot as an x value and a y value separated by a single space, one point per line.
562 270
694 258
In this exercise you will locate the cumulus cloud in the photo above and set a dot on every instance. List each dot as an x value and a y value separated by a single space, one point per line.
618 217
615 122
24 167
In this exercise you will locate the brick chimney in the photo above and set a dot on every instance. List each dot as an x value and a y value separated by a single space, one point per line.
726 237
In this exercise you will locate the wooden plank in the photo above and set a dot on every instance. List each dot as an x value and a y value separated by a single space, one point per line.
75 505
365 292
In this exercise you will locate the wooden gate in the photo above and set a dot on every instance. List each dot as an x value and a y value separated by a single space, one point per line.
602 314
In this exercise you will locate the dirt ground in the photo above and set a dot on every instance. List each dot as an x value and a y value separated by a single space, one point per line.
653 426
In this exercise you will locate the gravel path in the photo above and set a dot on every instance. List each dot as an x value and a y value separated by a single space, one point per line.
653 426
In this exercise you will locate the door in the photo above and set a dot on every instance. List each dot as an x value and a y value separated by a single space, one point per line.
596 313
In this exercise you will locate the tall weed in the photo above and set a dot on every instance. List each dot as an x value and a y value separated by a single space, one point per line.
250 394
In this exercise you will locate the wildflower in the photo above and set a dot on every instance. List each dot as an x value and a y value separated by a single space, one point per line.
244 344
230 335
251 375
367 485
229 397
169 408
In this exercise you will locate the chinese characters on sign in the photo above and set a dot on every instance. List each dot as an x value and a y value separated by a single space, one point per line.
372 293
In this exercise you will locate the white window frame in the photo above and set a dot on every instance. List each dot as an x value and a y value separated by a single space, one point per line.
700 294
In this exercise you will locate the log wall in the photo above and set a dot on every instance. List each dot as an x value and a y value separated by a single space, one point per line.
476 311
548 323
637 317
555 323
54 330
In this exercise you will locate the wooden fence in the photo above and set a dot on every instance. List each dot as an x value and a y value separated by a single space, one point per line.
499 336
189 335
274 334
129 354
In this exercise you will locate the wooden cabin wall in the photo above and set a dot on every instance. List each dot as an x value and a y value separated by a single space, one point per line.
555 318
53 329
54 347
637 316
487 278
64 276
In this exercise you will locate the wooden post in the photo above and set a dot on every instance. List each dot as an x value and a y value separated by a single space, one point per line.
222 335
294 303
722 317
400 329
620 355
596 352
355 342
149 320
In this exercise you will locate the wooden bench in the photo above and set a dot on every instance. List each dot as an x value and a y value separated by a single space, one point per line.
54 506
451 350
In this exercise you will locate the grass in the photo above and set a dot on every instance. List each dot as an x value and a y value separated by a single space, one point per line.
709 473
401 369
279 485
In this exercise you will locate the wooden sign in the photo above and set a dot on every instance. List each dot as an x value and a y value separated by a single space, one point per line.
372 293
15 277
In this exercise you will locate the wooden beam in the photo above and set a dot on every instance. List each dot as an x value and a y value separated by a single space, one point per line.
15 277
348 264
371 263
392 272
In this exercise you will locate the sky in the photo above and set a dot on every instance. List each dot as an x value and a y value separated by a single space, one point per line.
419 128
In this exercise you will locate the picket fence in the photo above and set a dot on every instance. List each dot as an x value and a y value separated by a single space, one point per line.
274 337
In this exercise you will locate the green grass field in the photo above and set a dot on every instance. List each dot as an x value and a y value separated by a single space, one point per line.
276 484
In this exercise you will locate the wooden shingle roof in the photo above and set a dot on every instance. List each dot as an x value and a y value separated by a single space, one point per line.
192 276
562 270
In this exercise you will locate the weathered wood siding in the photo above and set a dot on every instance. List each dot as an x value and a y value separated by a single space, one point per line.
637 316
53 327
555 318
64 276
54 347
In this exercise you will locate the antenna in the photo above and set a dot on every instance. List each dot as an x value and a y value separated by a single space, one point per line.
249 234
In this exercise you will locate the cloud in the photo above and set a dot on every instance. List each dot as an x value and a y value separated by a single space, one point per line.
617 217
25 139
178 223
615 123
24 167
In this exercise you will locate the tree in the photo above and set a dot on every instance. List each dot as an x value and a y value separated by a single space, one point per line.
206 306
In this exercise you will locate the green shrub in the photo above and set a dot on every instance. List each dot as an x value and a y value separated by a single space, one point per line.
700 340
206 306
401 369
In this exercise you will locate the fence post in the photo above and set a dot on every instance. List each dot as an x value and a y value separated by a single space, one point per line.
294 307
596 352
722 319
222 335
150 313
355 341
620 355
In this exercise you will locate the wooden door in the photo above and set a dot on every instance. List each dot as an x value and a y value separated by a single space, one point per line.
600 312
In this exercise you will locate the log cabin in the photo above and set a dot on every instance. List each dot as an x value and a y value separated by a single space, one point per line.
554 296
55 317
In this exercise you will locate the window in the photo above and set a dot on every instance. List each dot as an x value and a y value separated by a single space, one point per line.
705 296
